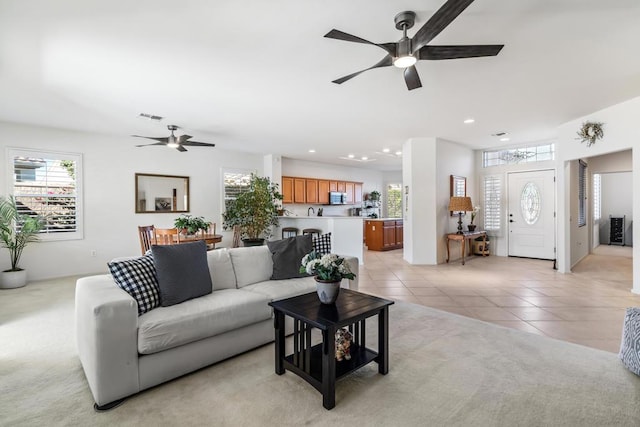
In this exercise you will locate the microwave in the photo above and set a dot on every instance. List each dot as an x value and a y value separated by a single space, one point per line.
337 198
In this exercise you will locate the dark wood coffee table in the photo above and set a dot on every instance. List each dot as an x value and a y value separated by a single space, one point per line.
317 364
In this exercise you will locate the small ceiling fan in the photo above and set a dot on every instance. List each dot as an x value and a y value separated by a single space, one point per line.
172 141
407 51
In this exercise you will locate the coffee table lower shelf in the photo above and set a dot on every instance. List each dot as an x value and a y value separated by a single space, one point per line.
360 356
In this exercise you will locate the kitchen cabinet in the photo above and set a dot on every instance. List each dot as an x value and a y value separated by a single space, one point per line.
357 192
349 188
342 186
311 186
299 190
324 186
384 234
333 185
287 190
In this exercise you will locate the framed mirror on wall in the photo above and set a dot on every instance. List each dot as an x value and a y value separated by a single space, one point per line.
161 193
458 186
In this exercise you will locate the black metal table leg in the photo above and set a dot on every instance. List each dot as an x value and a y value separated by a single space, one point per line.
383 341
278 321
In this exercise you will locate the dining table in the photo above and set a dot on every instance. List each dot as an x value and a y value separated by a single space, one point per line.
210 239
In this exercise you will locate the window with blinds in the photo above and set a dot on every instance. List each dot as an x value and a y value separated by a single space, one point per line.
582 193
235 182
492 194
394 201
597 188
48 184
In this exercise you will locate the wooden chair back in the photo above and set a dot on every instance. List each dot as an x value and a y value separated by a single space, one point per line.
167 236
147 237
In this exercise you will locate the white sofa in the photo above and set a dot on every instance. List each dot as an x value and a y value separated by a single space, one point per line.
123 353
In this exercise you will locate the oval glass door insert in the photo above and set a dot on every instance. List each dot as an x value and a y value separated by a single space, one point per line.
530 203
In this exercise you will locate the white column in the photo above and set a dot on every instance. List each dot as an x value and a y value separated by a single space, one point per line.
635 188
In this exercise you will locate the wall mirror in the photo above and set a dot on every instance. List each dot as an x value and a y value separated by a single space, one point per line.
458 188
161 193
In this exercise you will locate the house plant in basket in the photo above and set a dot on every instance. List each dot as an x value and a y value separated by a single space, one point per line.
329 270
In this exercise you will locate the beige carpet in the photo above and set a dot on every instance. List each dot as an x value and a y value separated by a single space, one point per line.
444 370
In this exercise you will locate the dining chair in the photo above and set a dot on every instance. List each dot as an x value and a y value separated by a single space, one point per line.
147 237
167 236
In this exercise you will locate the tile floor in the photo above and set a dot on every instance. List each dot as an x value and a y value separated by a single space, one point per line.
585 307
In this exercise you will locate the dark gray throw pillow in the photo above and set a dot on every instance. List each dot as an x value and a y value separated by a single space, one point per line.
287 254
182 271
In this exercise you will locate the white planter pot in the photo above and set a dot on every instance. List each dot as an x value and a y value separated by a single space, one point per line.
13 279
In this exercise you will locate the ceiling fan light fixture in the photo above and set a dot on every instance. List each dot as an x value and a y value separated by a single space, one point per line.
404 61
173 142
404 58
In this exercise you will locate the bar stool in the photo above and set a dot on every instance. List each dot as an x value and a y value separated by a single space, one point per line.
289 232
315 232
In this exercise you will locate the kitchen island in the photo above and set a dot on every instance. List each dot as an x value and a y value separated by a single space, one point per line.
383 234
346 231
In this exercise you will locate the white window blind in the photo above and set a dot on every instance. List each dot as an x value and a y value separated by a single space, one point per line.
235 182
492 193
48 184
597 188
582 193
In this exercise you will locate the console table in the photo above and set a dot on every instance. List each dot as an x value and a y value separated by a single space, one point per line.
463 238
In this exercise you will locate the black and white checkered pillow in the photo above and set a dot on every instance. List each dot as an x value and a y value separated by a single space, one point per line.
137 277
322 244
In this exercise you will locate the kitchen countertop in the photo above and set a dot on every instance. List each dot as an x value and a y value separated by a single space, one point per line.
382 219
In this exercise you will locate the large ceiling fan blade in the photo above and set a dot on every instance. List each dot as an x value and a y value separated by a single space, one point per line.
183 138
181 148
341 35
198 144
384 62
463 51
411 78
147 145
164 139
438 22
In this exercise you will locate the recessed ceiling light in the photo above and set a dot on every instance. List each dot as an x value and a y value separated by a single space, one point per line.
505 139
312 151
351 156
364 158
398 153
385 150
469 121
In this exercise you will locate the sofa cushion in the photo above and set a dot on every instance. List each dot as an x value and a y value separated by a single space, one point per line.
322 244
287 254
221 269
280 289
251 265
218 312
137 277
182 271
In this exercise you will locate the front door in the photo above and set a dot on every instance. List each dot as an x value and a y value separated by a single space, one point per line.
531 214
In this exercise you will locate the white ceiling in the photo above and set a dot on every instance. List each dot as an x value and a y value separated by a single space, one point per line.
256 75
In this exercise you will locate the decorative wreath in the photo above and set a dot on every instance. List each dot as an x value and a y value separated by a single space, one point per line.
589 132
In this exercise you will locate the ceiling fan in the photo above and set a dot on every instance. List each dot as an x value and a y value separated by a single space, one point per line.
172 141
407 51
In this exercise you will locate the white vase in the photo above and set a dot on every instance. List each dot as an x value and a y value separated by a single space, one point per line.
13 279
327 290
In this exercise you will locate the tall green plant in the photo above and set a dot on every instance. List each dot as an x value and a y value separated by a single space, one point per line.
256 210
16 229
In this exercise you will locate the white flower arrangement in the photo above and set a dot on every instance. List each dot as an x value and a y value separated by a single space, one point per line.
474 212
328 267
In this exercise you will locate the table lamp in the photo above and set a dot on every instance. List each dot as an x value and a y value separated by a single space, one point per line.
460 204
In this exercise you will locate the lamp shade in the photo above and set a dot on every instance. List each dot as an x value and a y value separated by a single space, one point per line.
460 204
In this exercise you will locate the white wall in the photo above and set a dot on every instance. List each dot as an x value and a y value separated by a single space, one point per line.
110 223
371 179
621 132
616 200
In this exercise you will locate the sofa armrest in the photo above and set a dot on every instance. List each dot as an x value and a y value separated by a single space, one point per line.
106 335
354 266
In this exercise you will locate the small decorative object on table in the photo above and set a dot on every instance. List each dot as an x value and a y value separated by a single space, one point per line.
329 270
191 225
343 344
474 212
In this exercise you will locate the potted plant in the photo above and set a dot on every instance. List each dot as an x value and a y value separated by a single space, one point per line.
191 224
16 231
254 211
329 270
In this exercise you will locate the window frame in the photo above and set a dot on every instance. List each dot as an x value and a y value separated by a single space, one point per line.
13 152
225 171
582 193
493 226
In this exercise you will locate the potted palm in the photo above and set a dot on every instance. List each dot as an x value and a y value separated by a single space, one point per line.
16 231
254 211
191 225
